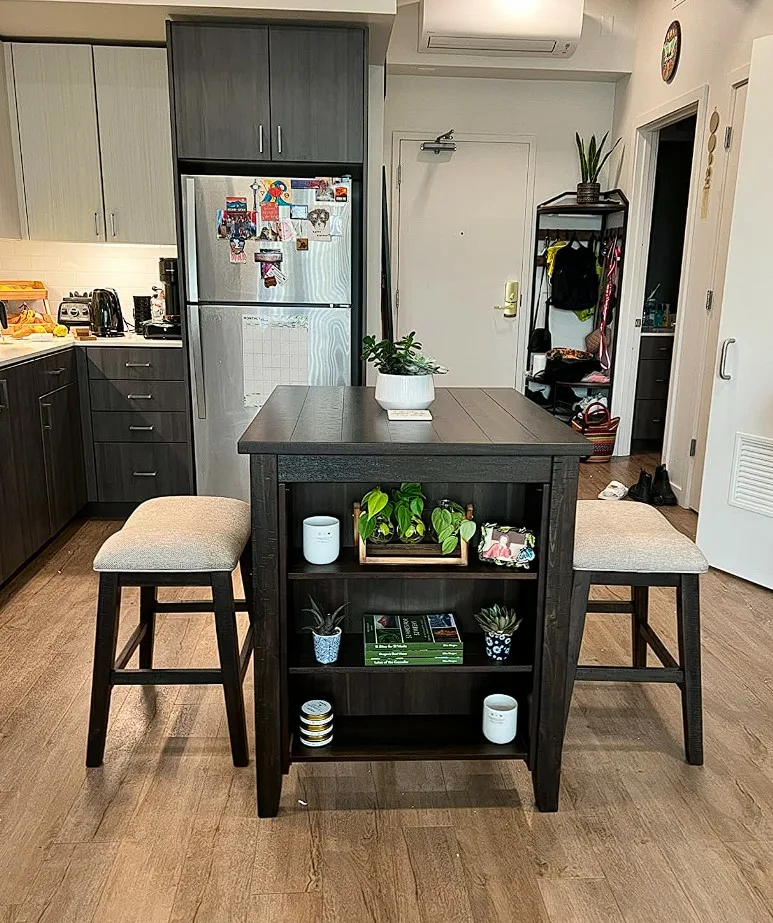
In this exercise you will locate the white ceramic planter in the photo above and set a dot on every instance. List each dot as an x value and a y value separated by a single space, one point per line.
404 392
321 539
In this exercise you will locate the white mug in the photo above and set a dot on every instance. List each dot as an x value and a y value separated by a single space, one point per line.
321 539
500 718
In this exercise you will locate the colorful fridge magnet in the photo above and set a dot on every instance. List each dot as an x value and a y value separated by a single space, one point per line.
268 232
269 211
325 191
306 183
276 190
301 243
285 230
277 273
236 203
299 212
236 250
341 192
268 256
319 224
236 224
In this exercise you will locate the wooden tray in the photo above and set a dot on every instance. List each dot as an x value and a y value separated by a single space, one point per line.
396 553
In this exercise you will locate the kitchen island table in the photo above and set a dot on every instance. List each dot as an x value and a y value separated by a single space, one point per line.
318 450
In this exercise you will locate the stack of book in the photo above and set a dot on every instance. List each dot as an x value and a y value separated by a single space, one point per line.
394 640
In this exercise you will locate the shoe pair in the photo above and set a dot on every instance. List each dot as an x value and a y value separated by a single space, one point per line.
656 491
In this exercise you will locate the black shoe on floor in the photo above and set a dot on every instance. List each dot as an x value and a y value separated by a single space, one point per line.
642 490
662 494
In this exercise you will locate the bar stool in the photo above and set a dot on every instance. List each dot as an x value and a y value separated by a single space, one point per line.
173 541
631 544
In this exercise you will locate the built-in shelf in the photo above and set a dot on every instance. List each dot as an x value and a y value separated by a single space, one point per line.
408 737
570 384
348 567
351 658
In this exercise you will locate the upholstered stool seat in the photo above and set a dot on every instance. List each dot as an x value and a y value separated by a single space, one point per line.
630 544
177 542
183 534
627 536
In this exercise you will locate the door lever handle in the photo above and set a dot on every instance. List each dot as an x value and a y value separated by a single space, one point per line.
723 359
510 307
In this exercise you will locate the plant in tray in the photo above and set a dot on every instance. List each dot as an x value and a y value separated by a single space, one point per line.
326 631
375 521
450 523
499 623
409 507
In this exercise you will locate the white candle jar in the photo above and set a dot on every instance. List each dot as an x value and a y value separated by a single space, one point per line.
321 539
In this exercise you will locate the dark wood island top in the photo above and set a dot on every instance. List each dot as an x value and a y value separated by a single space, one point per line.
317 450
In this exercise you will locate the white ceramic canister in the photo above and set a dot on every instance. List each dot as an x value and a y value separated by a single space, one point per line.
500 718
321 539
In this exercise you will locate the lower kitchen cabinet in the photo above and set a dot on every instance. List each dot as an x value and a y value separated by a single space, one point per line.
129 473
63 454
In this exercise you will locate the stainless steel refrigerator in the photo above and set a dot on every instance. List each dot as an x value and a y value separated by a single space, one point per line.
269 301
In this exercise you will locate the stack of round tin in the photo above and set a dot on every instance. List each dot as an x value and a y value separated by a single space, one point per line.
316 723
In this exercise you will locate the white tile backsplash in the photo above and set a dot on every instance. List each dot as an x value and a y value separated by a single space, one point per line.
130 270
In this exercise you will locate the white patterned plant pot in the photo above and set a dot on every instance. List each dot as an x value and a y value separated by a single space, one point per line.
498 646
326 646
405 392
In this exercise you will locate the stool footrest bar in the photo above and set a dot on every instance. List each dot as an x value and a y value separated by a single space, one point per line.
201 676
659 649
630 675
130 647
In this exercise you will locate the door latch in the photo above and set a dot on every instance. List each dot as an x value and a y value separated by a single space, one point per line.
510 307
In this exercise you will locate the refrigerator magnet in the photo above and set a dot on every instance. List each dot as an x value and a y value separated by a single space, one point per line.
341 192
236 203
299 212
301 243
335 226
306 183
325 191
277 273
236 224
268 257
269 211
285 230
276 190
268 232
319 224
236 252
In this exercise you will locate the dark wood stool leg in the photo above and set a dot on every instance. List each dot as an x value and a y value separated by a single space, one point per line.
245 569
578 611
108 610
228 648
639 618
148 619
688 609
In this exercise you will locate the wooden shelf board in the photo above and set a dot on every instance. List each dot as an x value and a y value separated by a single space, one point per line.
408 737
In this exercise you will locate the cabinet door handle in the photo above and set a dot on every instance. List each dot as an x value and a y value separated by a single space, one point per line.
137 365
658 420
55 371
141 429
662 349
279 138
260 139
4 404
139 397
660 381
96 224
144 474
112 223
723 359
45 412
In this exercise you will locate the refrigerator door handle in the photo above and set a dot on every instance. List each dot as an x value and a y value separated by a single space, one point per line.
197 360
189 223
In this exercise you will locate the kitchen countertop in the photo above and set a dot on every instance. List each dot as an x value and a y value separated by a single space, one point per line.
12 351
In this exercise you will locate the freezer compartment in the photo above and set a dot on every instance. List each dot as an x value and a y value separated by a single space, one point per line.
238 356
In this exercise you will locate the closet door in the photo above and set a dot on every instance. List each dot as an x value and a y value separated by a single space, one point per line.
58 139
135 142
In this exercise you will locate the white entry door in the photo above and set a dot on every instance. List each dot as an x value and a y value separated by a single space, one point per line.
735 525
463 232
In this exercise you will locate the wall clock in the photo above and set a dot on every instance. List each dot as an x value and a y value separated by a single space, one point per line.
672 48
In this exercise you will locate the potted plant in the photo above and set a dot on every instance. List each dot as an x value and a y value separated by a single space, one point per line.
409 507
326 631
375 521
450 523
404 375
499 623
591 163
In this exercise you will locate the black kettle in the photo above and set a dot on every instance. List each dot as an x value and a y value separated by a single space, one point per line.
105 312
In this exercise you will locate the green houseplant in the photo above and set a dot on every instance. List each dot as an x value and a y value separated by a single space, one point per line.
499 623
326 631
409 506
591 164
375 522
404 380
450 523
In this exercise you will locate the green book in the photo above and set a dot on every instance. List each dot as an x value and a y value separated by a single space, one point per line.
413 661
411 633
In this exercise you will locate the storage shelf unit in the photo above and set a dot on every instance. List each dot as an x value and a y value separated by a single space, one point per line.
559 218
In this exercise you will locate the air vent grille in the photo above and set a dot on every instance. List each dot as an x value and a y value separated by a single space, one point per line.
471 43
751 485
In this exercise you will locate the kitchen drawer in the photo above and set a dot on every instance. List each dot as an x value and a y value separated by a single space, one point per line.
138 395
653 379
147 363
660 346
55 371
135 426
132 473
649 419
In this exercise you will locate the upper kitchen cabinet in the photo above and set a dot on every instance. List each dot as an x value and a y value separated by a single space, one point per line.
58 141
133 106
317 94
221 91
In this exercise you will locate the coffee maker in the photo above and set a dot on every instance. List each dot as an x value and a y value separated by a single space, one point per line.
169 326
105 313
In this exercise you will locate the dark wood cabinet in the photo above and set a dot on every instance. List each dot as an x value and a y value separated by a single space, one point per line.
129 473
63 455
221 91
652 383
317 94
135 363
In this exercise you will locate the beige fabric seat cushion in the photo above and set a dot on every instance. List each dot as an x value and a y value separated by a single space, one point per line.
179 534
627 536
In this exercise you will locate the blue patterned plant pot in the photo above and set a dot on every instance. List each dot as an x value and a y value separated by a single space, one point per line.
326 646
498 646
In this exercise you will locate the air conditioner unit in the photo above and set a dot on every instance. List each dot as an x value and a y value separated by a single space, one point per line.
501 27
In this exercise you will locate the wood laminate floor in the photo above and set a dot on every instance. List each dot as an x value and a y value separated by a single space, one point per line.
166 832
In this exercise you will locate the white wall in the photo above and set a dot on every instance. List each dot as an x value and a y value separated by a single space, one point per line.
717 37
9 202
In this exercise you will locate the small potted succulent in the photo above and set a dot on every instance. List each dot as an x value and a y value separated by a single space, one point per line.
409 507
404 380
326 631
499 623
591 164
450 523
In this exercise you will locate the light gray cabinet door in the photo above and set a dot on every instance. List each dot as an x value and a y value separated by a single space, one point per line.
58 140
135 141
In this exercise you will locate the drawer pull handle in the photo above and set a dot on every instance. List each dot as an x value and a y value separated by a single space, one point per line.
139 397
137 365
662 349
55 371
656 421
144 474
660 381
141 429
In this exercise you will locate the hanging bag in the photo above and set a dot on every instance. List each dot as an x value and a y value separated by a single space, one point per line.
574 285
540 339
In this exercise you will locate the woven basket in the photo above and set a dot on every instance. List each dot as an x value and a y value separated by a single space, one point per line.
600 434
